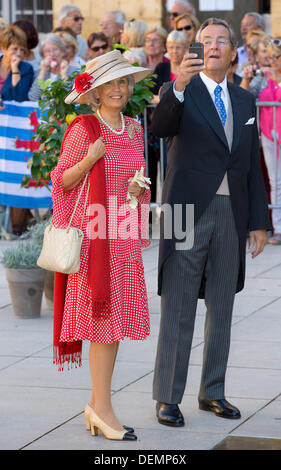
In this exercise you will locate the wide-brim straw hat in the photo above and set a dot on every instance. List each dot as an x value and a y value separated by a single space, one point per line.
105 68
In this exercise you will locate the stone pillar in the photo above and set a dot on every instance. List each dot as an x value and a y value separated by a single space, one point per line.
275 10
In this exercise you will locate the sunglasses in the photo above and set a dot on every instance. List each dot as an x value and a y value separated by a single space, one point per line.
97 48
175 14
187 28
78 18
276 42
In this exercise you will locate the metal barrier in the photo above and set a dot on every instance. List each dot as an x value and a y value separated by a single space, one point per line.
274 105
145 125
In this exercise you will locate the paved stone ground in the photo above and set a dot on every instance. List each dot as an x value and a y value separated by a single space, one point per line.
43 409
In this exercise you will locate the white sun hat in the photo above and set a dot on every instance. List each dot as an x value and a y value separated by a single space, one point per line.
103 69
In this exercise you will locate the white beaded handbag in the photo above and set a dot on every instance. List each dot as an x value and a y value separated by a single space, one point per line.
61 247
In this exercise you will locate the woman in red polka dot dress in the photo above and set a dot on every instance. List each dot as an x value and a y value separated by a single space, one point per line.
106 300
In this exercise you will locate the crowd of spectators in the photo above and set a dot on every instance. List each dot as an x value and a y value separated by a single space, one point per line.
257 67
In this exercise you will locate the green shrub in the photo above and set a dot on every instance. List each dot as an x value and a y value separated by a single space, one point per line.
23 256
36 232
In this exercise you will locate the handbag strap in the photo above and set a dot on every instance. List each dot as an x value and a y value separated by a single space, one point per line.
77 202
85 205
92 125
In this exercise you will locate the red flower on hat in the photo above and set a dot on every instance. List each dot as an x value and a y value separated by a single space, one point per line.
83 82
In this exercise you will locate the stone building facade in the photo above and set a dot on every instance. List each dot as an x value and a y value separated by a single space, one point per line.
149 11
44 13
154 12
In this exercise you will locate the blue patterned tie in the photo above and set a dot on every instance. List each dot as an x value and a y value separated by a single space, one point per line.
220 104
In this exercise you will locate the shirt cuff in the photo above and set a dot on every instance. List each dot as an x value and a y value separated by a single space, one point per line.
178 94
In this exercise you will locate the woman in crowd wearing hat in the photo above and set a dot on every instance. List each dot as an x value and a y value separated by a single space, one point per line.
106 300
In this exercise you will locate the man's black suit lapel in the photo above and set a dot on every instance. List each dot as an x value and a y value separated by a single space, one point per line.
204 102
238 113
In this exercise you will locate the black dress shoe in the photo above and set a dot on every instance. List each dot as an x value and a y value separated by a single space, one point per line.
129 429
221 408
169 414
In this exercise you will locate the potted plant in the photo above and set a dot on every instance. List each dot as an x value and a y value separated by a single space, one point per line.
25 278
36 234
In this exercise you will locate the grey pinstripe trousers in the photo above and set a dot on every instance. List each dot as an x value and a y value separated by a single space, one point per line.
216 248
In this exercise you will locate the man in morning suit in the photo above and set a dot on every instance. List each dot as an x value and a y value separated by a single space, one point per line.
213 164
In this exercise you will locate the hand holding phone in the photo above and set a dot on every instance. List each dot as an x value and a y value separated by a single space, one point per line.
191 65
197 48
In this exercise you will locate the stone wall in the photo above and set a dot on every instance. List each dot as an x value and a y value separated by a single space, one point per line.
153 12
147 10
275 6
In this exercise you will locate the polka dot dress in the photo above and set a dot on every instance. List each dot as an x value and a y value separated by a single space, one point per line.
129 316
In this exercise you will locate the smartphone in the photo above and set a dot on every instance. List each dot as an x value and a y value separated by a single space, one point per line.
197 48
258 73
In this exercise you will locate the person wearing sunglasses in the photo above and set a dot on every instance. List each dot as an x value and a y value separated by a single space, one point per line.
177 8
268 88
189 24
97 45
70 16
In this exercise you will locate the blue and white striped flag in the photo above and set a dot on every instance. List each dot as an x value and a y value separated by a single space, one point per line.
17 126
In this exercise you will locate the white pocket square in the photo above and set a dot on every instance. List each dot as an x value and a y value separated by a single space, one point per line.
250 121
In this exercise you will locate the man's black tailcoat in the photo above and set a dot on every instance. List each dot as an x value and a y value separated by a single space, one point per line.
199 156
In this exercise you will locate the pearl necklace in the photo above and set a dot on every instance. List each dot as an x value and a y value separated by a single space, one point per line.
109 126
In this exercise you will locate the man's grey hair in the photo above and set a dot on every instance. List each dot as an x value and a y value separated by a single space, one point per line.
219 22
119 16
186 3
63 13
259 19
55 39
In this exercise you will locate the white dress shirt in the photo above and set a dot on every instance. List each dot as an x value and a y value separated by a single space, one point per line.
210 85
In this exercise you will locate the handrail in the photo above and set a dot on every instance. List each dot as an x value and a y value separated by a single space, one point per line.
274 105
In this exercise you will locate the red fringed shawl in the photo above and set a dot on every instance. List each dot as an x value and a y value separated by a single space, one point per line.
98 266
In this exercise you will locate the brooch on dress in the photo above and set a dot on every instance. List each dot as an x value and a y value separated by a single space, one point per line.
131 130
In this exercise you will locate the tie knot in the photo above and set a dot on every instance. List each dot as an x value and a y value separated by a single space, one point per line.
218 90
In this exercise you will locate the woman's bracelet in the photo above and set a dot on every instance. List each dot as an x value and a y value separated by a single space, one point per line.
81 171
15 73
